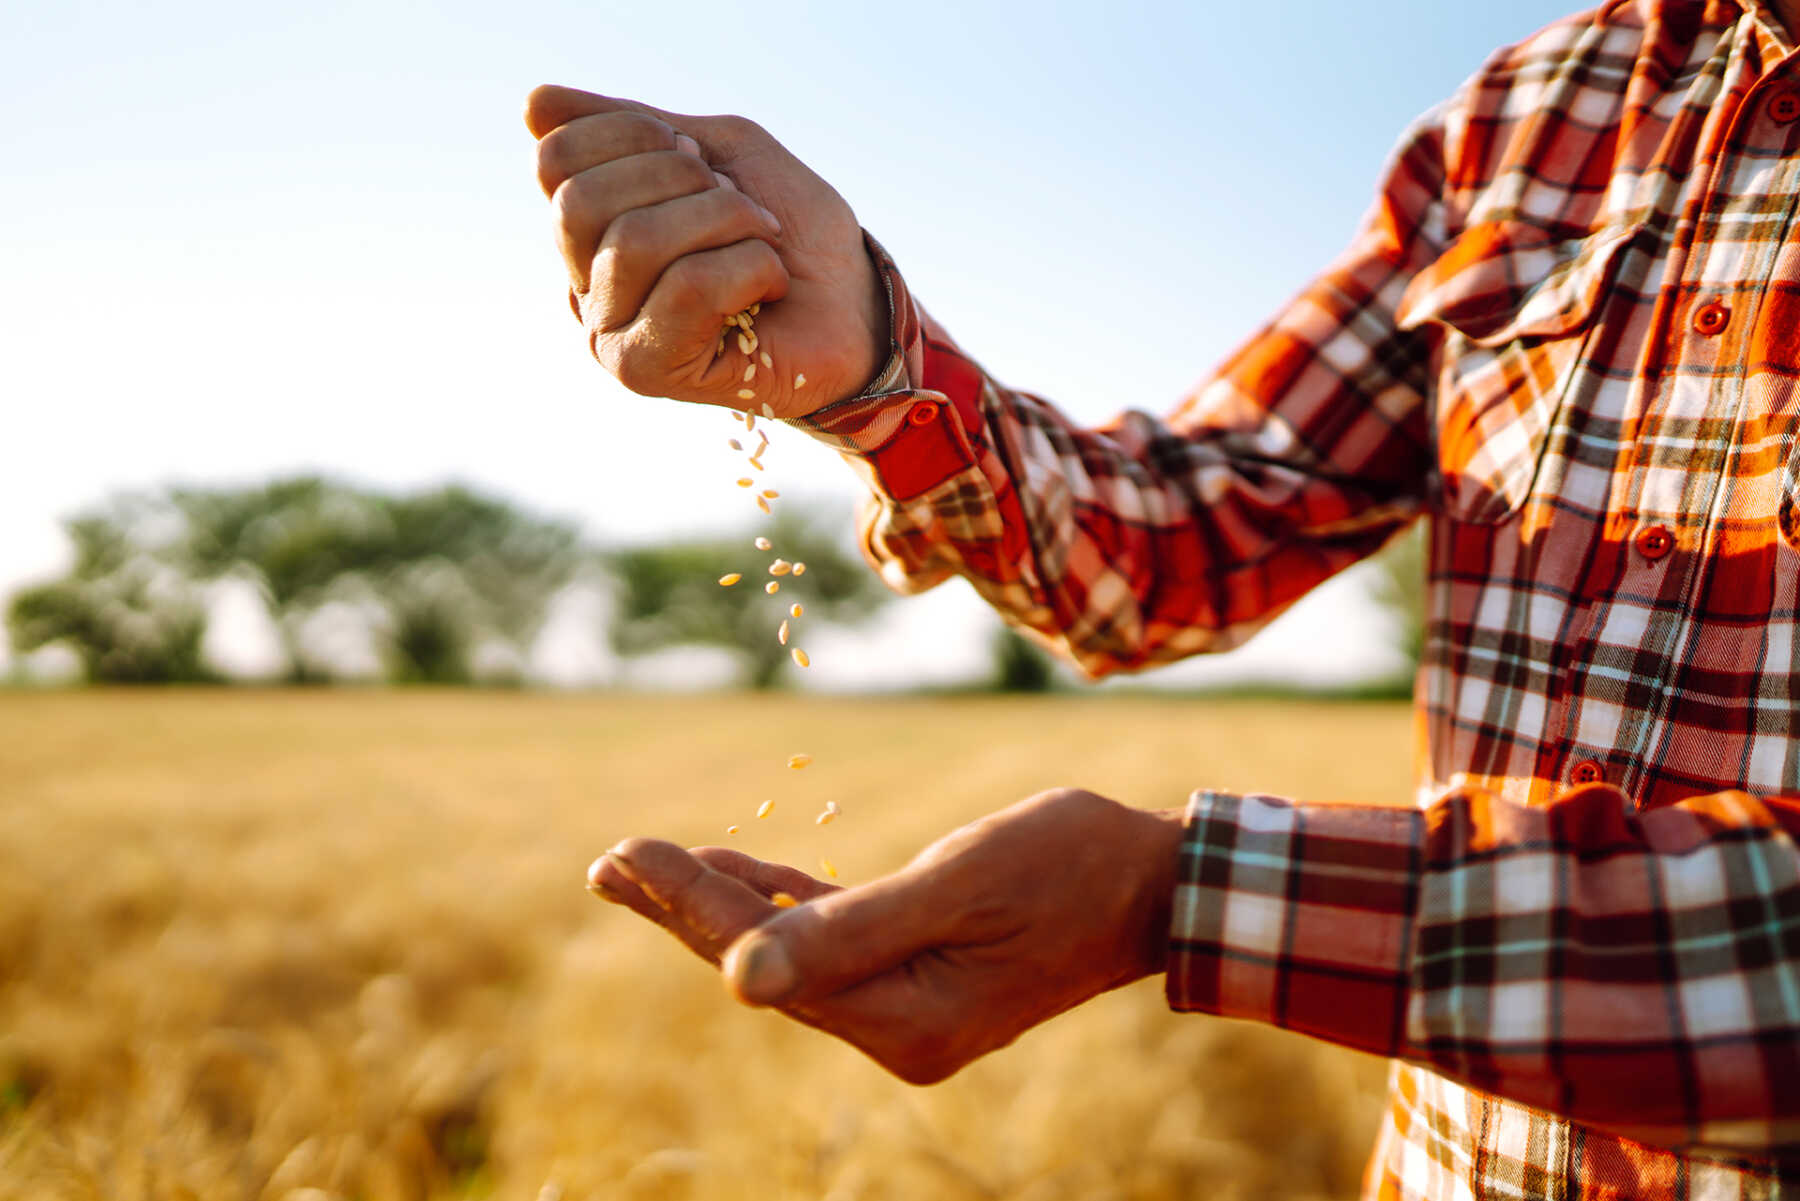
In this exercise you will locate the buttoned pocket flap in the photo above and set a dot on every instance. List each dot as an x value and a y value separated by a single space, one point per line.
1514 304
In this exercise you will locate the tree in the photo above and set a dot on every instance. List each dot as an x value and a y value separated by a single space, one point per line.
1020 665
669 595
129 616
442 570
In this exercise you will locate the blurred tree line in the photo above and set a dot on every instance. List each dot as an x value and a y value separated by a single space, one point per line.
441 581
448 586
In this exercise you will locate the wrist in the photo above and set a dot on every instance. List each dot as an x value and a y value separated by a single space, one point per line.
877 323
1157 863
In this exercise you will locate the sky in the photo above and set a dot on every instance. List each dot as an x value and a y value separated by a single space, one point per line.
246 240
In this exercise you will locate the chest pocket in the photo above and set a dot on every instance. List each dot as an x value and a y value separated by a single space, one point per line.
1516 307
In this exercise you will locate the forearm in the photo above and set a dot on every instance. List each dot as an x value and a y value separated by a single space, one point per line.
1146 539
1637 972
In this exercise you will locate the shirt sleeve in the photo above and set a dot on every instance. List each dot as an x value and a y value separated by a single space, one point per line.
1147 539
1636 971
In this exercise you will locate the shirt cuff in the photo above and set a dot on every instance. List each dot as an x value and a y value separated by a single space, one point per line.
917 424
1301 916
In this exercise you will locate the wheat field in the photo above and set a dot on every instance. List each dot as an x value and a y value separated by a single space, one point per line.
334 946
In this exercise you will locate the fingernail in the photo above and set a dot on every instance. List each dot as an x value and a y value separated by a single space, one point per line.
687 145
620 864
760 969
604 893
724 182
770 218
596 873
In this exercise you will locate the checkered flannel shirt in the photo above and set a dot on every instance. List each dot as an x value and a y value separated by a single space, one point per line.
1567 337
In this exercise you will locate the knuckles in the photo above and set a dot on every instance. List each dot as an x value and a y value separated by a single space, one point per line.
731 129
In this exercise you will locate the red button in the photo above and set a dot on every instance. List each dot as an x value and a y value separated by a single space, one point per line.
923 414
1654 541
1588 771
1711 318
1784 106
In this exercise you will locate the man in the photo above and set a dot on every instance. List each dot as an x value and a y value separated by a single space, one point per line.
1566 337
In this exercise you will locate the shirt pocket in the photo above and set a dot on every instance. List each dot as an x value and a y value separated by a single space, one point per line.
1515 305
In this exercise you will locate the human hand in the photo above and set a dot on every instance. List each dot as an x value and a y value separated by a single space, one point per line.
989 931
670 224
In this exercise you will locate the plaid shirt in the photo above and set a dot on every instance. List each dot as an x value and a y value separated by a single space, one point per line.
1567 336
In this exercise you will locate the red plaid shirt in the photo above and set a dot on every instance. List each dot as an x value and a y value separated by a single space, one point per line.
1568 337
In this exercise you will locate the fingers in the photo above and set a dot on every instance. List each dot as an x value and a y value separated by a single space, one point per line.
766 878
669 345
658 880
550 106
840 940
640 244
568 150
586 204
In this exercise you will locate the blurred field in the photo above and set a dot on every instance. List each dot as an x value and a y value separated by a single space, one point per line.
335 945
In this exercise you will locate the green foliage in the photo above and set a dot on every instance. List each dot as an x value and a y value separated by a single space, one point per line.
669 595
445 569
124 628
1020 665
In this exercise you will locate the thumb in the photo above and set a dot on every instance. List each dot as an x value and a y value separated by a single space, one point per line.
837 941
550 106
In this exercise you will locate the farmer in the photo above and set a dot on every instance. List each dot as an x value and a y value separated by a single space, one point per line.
1567 338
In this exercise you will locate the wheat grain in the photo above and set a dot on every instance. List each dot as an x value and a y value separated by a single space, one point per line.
729 578
771 587
800 658
782 633
783 900
799 761
764 809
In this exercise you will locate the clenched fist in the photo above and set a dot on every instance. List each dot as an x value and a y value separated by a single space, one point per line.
671 224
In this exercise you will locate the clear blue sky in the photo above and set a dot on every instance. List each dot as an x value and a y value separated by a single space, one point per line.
244 239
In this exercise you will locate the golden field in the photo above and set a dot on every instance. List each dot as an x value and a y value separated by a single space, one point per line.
334 945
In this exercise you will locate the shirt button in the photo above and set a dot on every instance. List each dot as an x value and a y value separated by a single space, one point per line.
1711 318
1654 541
1784 106
923 414
1588 771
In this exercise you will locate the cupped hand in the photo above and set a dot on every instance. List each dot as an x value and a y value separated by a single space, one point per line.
991 930
670 224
